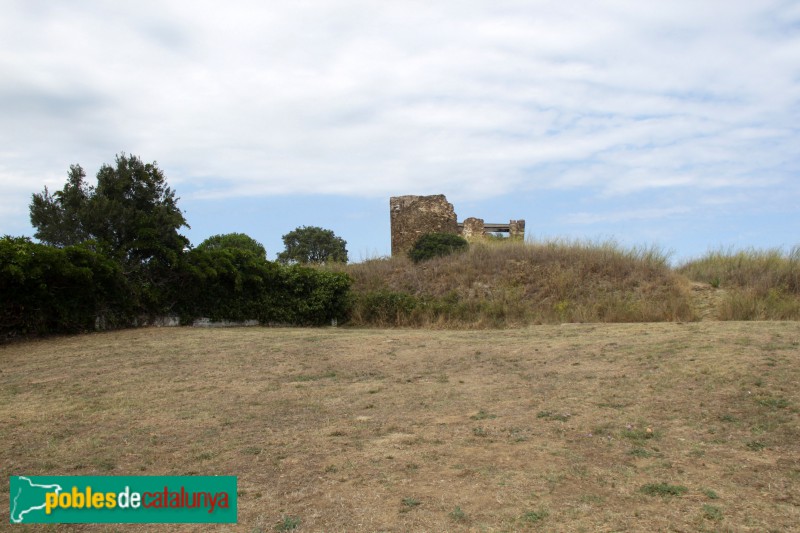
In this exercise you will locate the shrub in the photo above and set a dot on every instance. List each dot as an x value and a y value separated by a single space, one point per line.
238 241
221 284
67 290
59 290
436 245
234 284
384 308
315 296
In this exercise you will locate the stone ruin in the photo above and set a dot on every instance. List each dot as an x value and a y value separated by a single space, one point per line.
414 216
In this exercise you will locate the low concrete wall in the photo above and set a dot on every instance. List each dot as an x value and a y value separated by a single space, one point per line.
171 321
208 323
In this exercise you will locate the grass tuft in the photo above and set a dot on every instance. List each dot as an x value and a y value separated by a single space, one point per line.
287 523
482 415
458 515
549 415
663 489
712 512
535 516
410 503
640 452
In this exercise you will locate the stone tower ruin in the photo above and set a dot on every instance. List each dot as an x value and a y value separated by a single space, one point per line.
414 216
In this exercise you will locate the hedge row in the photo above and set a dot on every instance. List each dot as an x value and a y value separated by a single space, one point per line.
231 284
44 289
51 290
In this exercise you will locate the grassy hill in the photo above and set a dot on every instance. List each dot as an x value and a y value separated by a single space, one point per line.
756 284
499 283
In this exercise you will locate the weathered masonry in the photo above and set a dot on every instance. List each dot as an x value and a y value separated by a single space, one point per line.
414 216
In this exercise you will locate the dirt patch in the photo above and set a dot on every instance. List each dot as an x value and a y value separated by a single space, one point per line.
706 300
636 427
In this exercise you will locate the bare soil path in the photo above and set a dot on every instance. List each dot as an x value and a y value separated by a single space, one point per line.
706 300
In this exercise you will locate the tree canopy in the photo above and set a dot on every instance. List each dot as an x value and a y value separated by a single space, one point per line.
234 241
112 256
312 244
131 213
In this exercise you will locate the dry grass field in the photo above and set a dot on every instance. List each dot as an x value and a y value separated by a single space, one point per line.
612 427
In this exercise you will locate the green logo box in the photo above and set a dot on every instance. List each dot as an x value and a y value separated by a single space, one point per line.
122 499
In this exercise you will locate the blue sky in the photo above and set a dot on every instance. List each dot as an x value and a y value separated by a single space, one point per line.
668 123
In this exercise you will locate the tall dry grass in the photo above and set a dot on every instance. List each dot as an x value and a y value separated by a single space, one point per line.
510 283
759 284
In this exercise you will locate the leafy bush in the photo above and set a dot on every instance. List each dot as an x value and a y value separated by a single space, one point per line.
384 308
67 290
315 296
437 245
55 290
239 241
221 284
234 284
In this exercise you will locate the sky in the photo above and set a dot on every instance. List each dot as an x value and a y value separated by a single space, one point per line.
673 124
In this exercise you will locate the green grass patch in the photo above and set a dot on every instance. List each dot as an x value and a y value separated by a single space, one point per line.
640 452
712 512
773 403
288 523
663 489
479 431
549 415
535 516
483 415
458 514
409 503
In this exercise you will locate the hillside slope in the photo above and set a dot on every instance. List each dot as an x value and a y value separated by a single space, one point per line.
499 284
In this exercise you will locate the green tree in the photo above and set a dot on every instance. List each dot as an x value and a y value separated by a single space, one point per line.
311 244
436 245
234 241
131 213
58 217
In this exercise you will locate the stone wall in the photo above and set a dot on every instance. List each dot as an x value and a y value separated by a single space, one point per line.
517 229
472 227
414 216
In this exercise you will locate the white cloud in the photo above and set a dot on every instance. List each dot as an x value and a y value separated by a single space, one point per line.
372 99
